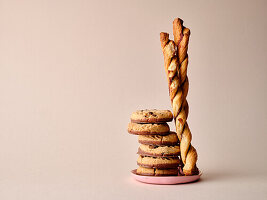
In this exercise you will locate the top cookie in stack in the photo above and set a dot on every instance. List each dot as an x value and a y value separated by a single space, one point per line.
159 150
151 116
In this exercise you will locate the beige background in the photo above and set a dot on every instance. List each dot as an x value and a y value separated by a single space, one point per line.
71 73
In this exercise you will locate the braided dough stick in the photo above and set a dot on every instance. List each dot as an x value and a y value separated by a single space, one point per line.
175 64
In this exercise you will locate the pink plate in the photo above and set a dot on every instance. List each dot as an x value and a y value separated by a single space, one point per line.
165 180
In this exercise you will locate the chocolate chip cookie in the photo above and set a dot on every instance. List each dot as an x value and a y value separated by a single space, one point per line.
148 129
158 162
156 172
170 139
158 151
151 116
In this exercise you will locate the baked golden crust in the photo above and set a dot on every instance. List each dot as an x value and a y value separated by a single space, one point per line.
175 64
151 116
148 129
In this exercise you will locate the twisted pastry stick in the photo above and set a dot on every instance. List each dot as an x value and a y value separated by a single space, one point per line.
175 64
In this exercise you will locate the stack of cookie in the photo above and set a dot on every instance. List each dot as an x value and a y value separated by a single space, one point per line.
159 151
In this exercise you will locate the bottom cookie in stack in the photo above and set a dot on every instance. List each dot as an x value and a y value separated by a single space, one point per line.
156 172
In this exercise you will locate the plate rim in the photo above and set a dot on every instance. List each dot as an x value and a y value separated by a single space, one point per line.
132 172
174 179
